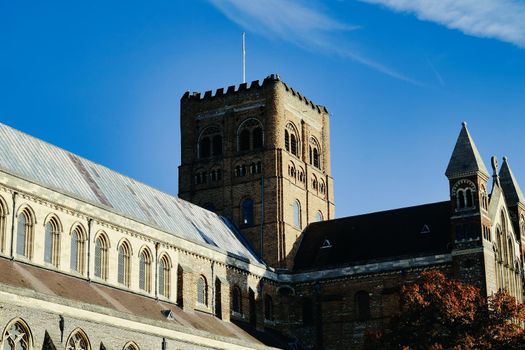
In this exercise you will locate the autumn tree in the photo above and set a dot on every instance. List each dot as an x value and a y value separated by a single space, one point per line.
440 313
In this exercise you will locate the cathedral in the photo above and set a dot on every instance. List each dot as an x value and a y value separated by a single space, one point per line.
250 254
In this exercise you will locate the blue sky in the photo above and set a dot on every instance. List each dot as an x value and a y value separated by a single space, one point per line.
103 79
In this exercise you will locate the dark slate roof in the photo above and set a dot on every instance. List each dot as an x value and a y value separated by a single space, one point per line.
465 159
511 188
55 168
407 232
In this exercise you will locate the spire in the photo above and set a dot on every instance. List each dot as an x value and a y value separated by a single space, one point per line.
511 189
465 159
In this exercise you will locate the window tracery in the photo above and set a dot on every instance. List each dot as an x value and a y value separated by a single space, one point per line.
78 340
17 336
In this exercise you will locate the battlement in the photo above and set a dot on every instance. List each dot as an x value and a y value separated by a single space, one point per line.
254 86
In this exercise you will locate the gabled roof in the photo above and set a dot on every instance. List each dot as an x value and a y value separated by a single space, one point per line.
510 186
47 165
465 159
414 231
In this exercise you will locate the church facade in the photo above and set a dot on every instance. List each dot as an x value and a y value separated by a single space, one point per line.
250 254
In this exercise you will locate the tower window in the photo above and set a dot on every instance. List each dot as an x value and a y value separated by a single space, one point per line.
247 212
250 135
244 141
291 140
318 216
314 153
210 142
257 137
296 205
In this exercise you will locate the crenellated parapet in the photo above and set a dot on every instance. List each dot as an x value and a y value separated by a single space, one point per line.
254 87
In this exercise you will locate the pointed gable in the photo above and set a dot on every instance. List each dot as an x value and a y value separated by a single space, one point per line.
465 159
510 187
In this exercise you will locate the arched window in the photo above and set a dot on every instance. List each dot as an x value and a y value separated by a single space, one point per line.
314 153
24 236
236 300
362 303
131 346
257 134
247 212
217 145
296 205
52 241
204 148
250 135
469 198
164 276
210 142
291 139
145 270
78 340
3 215
268 308
244 140
293 145
318 216
17 336
461 199
124 263
101 256
202 291
315 186
77 253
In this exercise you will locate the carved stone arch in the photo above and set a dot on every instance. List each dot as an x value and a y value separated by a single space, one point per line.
165 255
4 208
209 134
56 220
104 236
249 125
462 184
145 249
131 345
81 230
14 330
78 340
125 241
28 210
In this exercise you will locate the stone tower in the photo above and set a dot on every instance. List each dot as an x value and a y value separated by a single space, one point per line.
470 221
259 155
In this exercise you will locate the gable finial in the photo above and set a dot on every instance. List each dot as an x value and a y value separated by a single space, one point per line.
495 176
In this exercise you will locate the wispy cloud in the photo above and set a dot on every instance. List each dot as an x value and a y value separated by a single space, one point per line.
302 25
499 19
